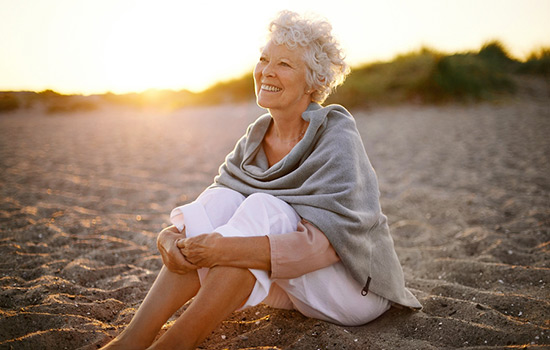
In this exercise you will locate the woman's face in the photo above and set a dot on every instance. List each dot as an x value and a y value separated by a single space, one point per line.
280 78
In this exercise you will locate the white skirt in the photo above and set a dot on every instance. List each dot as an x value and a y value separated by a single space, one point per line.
329 294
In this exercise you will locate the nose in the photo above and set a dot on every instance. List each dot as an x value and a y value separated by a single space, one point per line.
268 70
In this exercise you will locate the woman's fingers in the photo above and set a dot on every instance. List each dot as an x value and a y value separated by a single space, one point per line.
171 255
183 231
181 254
178 264
180 243
200 250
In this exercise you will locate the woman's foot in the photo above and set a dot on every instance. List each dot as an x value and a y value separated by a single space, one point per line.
119 343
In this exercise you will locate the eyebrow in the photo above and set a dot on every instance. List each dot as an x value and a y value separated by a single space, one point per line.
262 54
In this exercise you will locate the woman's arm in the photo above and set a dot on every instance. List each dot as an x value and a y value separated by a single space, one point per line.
208 250
297 253
286 255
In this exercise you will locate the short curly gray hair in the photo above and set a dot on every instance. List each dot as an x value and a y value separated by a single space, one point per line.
323 55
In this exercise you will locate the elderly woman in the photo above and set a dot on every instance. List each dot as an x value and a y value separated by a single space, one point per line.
293 219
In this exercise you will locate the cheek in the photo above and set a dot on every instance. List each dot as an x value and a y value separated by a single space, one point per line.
258 68
257 75
256 82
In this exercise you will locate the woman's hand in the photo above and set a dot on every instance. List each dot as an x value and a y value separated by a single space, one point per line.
171 255
203 250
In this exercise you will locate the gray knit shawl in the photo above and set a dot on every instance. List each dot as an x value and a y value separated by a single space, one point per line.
328 179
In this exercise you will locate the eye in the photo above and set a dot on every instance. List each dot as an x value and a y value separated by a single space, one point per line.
284 64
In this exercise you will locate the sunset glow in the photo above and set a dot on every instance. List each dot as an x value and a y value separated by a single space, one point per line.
123 46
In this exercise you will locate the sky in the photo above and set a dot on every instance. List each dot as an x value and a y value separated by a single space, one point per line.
96 46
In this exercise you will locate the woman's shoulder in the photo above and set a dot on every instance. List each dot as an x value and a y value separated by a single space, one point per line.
332 114
339 120
339 132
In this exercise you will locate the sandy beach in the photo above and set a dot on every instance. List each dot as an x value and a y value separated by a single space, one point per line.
466 188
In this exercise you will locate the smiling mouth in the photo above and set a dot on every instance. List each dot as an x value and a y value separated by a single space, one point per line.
270 88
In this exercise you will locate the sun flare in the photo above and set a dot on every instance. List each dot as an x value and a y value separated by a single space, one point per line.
154 47
134 45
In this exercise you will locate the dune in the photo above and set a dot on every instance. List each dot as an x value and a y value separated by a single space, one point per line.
465 188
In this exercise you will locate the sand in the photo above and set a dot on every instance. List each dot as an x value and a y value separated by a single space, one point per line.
466 189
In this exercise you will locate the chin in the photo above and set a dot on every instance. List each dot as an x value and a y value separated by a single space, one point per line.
264 104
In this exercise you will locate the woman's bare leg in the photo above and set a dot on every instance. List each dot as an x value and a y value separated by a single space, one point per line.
223 291
168 293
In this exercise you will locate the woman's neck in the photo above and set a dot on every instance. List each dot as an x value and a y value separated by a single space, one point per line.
288 126
288 130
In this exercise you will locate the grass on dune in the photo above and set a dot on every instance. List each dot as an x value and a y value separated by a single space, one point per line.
429 76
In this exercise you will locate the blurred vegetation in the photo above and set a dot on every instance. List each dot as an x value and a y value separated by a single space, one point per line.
424 76
8 101
537 63
428 76
57 103
48 100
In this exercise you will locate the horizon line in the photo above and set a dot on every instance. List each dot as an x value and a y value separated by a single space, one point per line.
539 48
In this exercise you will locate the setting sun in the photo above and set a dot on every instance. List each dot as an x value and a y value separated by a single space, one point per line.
167 46
123 45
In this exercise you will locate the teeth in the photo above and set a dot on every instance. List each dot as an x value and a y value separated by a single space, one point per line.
270 88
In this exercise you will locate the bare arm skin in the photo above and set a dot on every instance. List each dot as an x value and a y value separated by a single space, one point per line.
209 250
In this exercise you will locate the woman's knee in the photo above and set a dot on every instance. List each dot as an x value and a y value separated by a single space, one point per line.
220 204
214 198
269 203
266 214
239 281
260 198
